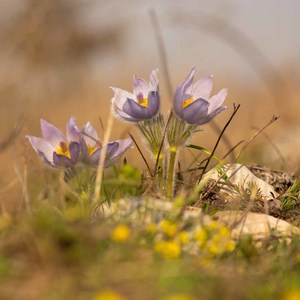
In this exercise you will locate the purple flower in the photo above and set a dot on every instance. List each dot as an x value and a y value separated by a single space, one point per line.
91 147
140 105
55 148
192 102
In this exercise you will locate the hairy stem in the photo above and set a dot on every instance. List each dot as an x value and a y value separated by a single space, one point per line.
171 172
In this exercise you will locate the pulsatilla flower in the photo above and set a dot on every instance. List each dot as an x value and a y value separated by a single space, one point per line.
55 148
192 101
142 104
91 147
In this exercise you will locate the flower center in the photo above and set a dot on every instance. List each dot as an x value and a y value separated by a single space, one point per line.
143 102
91 149
187 102
63 149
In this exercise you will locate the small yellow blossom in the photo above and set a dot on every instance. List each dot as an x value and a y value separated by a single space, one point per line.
168 228
213 248
120 233
293 294
108 295
183 237
201 236
224 231
213 225
169 249
230 246
219 244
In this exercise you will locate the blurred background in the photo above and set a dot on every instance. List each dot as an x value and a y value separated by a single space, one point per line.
58 58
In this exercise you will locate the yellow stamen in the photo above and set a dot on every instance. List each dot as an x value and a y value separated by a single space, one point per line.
63 149
91 149
187 102
143 102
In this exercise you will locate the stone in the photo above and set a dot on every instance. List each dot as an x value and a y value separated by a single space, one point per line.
259 226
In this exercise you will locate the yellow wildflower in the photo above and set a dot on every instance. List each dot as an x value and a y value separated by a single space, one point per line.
293 294
169 249
224 231
201 236
213 248
230 246
213 225
183 237
168 228
108 295
120 233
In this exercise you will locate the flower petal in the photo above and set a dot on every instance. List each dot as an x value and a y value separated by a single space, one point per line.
74 149
153 81
153 103
217 100
72 130
123 146
210 116
120 97
43 148
52 134
140 87
119 114
111 149
90 135
181 92
137 111
63 161
201 88
195 111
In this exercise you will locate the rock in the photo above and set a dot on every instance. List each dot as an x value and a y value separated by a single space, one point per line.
242 177
259 226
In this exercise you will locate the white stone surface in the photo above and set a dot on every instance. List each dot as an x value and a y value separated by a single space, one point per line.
259 226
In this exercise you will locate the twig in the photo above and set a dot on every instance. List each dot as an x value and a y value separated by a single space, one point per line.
233 148
100 169
226 140
277 150
274 118
142 155
235 110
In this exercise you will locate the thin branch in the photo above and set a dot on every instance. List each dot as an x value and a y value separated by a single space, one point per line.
277 150
233 148
235 110
100 169
142 155
274 118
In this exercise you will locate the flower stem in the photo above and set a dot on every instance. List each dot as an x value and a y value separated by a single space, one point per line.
171 172
159 175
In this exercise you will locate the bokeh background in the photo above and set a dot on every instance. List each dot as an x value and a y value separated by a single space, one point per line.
58 59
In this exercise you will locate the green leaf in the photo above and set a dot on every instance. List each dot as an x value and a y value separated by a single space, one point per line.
204 150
